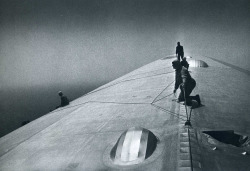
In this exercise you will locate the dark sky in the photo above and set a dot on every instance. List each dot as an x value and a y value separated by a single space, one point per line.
75 46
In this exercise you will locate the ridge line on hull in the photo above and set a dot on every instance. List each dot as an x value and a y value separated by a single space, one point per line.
124 81
231 66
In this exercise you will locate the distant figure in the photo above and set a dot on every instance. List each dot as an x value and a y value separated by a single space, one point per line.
184 63
179 51
186 83
64 100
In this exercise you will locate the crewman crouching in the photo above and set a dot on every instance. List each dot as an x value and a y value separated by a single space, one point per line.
186 83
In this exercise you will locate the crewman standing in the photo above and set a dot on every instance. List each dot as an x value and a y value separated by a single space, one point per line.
179 51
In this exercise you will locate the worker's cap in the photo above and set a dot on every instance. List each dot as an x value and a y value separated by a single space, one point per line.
60 93
176 64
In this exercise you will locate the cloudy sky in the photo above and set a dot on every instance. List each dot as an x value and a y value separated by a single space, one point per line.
76 46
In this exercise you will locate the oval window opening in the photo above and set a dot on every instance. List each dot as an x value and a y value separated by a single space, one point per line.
134 146
197 63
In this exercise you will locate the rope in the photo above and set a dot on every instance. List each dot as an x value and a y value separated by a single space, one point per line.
185 101
190 113
149 71
94 102
163 91
149 76
126 81
116 102
170 112
163 97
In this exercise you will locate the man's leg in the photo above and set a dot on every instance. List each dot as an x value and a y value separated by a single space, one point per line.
182 55
178 57
181 95
188 90
190 98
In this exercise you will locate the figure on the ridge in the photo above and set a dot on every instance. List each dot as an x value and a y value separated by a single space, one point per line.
185 63
179 51
186 83
64 100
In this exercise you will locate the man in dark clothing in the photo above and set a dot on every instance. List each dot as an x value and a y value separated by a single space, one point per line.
64 100
184 63
179 51
186 83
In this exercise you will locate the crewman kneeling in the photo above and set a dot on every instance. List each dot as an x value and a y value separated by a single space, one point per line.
186 83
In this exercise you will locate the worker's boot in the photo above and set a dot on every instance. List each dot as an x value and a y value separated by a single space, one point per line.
197 98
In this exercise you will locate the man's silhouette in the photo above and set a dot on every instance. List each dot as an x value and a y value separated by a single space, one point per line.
64 100
179 51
